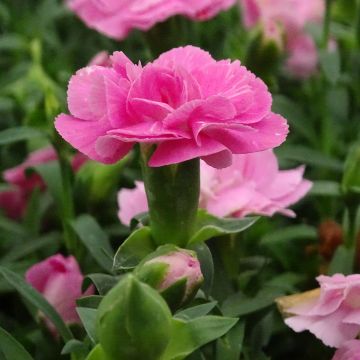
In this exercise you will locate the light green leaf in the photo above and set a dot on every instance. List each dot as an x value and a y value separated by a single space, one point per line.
95 240
330 64
97 353
191 335
88 318
37 300
209 226
138 245
325 188
11 348
16 134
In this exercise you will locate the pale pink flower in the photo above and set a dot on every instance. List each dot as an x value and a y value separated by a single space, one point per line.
334 316
253 184
185 102
348 351
101 59
292 16
132 202
116 18
59 280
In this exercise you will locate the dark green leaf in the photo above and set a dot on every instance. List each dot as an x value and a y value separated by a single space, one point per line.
102 282
330 63
11 348
37 300
95 240
230 346
342 261
73 346
196 311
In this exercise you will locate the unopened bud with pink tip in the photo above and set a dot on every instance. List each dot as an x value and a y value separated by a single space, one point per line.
176 274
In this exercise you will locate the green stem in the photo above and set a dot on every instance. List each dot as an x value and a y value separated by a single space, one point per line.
357 28
327 21
173 198
67 209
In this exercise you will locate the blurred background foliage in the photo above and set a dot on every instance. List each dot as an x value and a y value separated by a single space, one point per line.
42 44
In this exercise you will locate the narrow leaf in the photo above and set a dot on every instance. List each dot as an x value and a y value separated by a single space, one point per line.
11 348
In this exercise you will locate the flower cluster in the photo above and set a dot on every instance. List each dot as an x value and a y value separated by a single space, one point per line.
288 17
117 18
185 102
253 184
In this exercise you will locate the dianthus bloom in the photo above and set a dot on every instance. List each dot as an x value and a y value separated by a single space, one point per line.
348 351
59 280
117 18
253 184
185 102
291 16
333 316
13 201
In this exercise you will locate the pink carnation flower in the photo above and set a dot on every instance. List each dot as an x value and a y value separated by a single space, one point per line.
59 280
101 59
185 102
116 18
333 317
13 201
253 184
292 16
348 351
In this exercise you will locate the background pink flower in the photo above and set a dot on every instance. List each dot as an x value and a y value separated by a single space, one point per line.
14 200
116 18
59 280
186 102
253 184
348 351
292 16
334 317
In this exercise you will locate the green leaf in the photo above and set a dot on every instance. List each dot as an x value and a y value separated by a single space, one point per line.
95 240
28 248
35 298
239 304
91 301
207 265
309 156
281 243
209 226
16 134
73 346
138 245
230 346
331 65
11 348
196 311
97 353
88 318
342 261
102 282
191 335
325 188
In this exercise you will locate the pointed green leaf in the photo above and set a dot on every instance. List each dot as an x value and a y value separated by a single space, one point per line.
196 311
138 245
11 348
97 353
188 336
209 226
88 318
16 134
95 240
230 346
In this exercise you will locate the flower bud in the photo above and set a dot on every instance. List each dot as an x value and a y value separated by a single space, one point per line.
133 322
175 274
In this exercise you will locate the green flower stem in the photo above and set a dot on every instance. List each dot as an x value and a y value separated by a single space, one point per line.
173 198
327 21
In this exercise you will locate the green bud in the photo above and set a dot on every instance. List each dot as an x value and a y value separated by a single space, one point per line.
174 272
134 322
